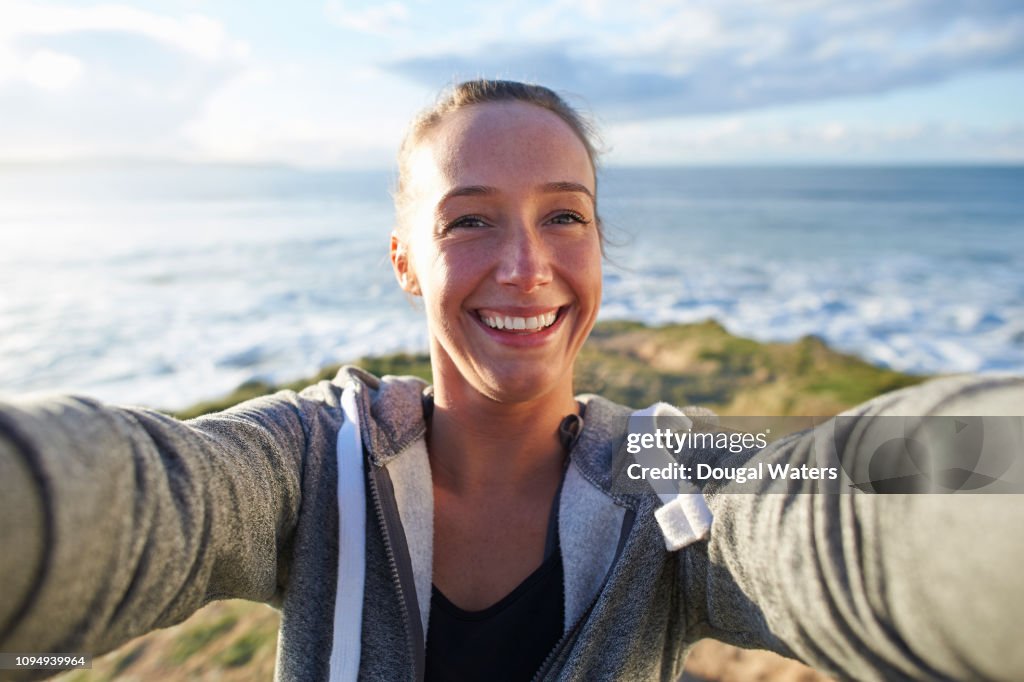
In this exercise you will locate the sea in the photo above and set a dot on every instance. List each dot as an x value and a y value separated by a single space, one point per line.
165 284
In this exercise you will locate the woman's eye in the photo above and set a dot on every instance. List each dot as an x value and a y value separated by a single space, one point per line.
465 221
568 218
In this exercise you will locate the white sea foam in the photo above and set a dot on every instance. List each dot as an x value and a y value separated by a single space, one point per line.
163 287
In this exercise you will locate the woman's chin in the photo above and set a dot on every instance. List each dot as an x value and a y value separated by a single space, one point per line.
512 385
503 377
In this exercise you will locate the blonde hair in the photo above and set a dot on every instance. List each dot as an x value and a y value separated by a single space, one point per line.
482 91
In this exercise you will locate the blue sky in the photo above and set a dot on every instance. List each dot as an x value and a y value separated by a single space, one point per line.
331 83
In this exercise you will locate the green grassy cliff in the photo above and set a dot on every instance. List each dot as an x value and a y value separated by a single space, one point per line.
683 364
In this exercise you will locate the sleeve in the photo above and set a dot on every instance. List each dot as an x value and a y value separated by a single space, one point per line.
870 586
117 521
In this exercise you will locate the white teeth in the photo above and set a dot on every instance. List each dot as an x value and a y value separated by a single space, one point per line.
521 323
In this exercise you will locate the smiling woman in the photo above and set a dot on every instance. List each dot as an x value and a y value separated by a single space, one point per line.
477 528
499 235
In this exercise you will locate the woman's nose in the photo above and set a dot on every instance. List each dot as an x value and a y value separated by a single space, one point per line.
525 261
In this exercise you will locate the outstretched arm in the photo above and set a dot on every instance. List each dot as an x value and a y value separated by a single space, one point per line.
117 521
869 586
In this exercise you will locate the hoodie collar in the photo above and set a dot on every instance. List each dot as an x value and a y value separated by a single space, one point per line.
391 412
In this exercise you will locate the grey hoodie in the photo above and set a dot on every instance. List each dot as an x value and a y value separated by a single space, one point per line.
117 521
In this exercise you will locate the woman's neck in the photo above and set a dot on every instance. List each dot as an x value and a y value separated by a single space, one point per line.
479 446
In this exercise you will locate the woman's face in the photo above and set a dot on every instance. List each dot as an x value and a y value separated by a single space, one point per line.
501 239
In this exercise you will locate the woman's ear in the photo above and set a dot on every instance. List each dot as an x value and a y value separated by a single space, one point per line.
400 264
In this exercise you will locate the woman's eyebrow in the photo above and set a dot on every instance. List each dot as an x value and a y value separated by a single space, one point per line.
554 187
485 190
467 191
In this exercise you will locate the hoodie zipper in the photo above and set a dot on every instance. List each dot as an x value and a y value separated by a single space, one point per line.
393 566
570 636
564 641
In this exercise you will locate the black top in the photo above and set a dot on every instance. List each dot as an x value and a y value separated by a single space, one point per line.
508 640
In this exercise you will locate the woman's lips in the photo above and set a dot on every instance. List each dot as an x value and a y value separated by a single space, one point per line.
519 321
521 326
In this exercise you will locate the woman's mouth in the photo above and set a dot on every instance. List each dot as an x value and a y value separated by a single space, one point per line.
519 324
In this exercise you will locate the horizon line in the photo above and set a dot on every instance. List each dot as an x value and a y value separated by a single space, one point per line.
113 162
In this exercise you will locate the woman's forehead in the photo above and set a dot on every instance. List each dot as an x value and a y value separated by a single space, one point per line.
501 142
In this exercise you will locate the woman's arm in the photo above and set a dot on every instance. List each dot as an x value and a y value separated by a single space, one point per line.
117 521
871 586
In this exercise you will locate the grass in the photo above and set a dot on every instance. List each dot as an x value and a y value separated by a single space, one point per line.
195 639
243 649
228 641
684 364
126 661
398 364
703 364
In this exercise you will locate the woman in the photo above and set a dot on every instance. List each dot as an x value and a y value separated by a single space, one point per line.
474 530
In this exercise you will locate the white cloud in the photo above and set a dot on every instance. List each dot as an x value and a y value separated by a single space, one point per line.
284 114
833 131
383 19
757 138
648 59
194 33
50 70
26 25
106 80
116 80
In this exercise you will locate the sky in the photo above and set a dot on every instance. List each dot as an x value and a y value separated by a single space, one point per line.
332 83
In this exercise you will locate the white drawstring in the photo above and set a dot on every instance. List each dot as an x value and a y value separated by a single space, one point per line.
348 599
